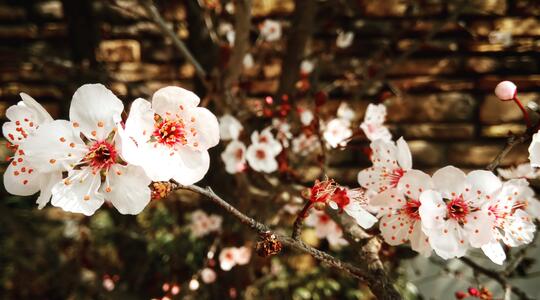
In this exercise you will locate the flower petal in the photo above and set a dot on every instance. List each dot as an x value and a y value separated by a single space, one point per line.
432 210
140 122
20 179
479 227
159 162
448 241
205 126
449 180
394 230
484 182
195 165
360 215
47 181
534 150
128 189
42 116
79 192
95 111
384 154
171 100
419 240
413 183
495 252
54 147
404 156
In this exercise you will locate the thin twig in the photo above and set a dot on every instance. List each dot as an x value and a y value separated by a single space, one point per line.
302 215
371 272
156 17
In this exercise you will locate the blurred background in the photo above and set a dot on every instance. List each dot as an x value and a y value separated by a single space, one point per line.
433 63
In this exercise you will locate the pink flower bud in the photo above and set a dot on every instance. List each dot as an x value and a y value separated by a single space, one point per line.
505 90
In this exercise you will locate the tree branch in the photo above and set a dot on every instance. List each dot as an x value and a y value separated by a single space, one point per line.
156 17
242 25
371 272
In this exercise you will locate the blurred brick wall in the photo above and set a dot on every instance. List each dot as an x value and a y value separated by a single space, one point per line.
445 106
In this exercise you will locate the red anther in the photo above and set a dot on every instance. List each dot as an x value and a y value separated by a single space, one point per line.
460 295
473 292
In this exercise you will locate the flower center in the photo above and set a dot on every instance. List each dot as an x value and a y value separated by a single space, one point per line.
395 176
170 132
101 155
457 209
239 154
341 198
260 154
411 209
323 219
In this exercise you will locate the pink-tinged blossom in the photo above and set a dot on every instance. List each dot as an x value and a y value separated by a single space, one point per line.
304 144
534 150
513 226
95 167
208 275
344 39
261 154
229 127
345 112
373 124
170 137
306 67
326 228
454 215
203 224
390 162
337 132
283 131
232 256
524 170
354 203
399 207
306 116
270 30
234 157
21 177
505 90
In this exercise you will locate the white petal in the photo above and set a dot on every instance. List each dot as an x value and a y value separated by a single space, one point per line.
42 116
414 182
206 127
160 162
360 215
495 252
419 240
479 227
128 189
448 241
384 154
229 127
432 210
390 199
534 150
47 181
54 147
140 122
195 165
404 154
95 110
484 181
172 99
449 180
79 192
18 182
394 230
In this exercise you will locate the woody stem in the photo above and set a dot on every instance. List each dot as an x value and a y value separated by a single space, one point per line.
297 227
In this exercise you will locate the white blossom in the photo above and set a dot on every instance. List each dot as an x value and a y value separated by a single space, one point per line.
344 39
229 127
524 170
234 157
326 228
336 132
373 125
232 256
271 30
345 112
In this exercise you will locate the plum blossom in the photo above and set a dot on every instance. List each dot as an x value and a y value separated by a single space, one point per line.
248 61
506 90
354 203
270 30
305 144
170 137
524 170
306 116
229 127
373 125
345 112
326 228
534 150
513 226
234 157
261 154
21 177
390 162
336 132
306 67
454 215
227 30
87 148
208 275
203 224
399 211
344 39
232 256
283 131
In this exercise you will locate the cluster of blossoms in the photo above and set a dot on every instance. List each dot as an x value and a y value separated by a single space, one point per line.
96 156
233 256
203 224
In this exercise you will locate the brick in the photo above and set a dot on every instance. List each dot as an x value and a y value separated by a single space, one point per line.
12 12
431 84
431 108
138 30
147 88
436 45
49 10
272 69
437 131
119 51
479 155
483 7
485 64
515 26
53 30
270 7
430 66
28 31
264 87
427 154
36 91
495 111
503 130
173 11
384 8
518 45
131 72
524 82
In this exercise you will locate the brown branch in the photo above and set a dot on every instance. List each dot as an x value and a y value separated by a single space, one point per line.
302 215
301 30
371 272
242 24
156 17
497 276
510 143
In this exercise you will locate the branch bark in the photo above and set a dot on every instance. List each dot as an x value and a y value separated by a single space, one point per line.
301 30
370 272
242 24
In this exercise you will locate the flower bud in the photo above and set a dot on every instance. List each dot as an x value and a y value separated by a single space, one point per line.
505 90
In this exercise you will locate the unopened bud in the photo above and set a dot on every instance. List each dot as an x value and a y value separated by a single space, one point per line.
505 90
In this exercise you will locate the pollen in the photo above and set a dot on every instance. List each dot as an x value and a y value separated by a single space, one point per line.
62 139
100 124
67 181
72 145
94 133
86 197
52 160
25 182
75 124
108 189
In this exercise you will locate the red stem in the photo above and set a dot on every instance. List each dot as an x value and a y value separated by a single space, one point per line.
524 111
